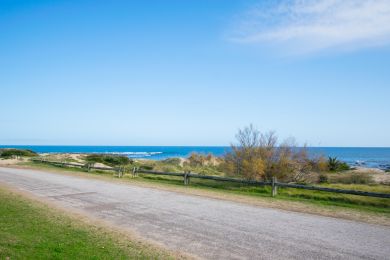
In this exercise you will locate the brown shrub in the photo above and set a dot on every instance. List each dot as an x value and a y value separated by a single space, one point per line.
259 156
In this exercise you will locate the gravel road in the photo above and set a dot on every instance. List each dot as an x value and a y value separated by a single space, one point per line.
204 227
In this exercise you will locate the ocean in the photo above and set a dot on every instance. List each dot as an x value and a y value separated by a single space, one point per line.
354 156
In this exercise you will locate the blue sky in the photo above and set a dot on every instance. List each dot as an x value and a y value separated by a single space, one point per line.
193 72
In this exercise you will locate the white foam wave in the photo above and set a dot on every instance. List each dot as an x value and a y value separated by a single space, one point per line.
135 154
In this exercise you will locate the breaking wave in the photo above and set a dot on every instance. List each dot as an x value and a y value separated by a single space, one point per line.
135 154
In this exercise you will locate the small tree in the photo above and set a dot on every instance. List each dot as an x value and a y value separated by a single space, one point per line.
245 159
259 156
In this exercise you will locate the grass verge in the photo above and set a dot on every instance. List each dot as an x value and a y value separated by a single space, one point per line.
31 230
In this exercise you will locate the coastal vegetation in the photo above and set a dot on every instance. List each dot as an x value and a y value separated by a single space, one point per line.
31 230
110 160
7 153
335 165
259 156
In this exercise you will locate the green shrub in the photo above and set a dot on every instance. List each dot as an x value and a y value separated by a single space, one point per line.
11 152
108 159
335 165
343 167
146 167
323 178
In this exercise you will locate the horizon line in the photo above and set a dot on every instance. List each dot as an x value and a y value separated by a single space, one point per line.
78 145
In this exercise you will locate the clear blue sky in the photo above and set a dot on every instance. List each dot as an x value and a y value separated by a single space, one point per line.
193 72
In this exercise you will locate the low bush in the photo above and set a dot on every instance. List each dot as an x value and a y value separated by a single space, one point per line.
146 167
108 159
353 178
318 164
174 161
198 160
323 178
11 152
343 167
335 165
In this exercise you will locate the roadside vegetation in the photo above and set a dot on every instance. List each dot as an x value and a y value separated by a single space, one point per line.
31 230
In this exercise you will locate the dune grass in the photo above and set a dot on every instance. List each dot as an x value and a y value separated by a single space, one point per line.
31 230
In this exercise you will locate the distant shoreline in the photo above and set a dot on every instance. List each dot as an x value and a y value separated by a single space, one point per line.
372 157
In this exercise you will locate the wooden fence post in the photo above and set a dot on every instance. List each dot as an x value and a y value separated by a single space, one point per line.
274 187
185 178
134 169
122 171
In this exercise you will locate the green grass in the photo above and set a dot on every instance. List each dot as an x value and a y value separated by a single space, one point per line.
30 230
326 199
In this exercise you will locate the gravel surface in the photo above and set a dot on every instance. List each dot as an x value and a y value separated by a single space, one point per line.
204 227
